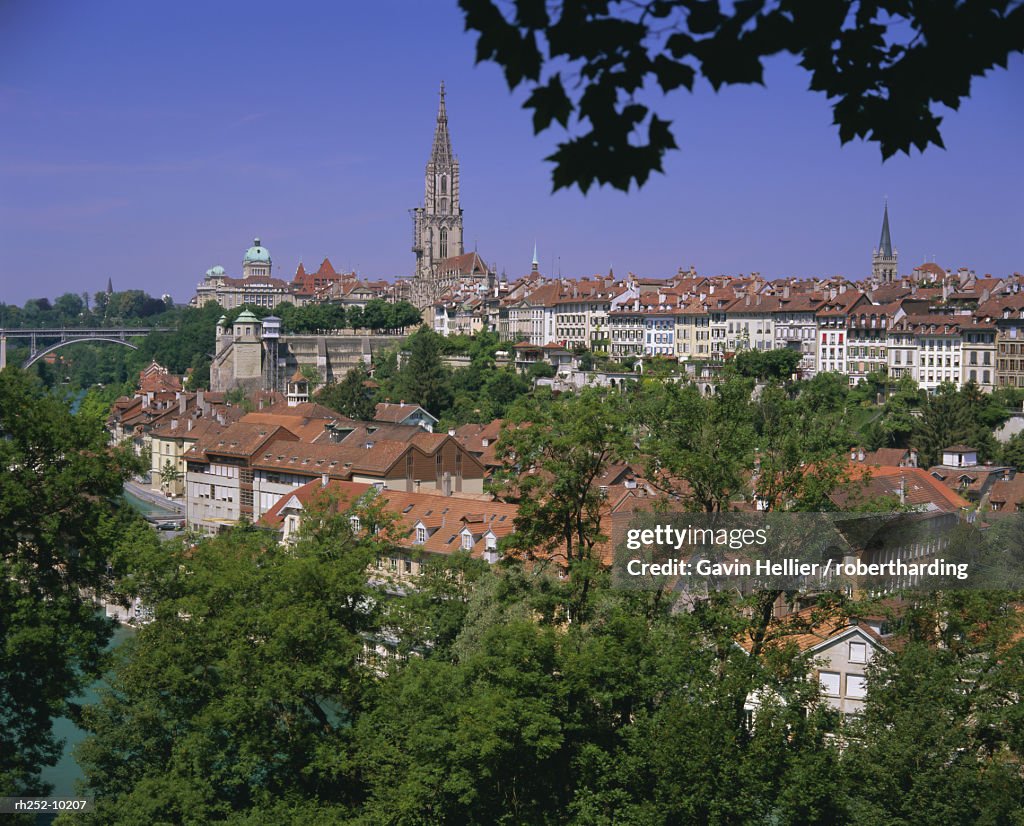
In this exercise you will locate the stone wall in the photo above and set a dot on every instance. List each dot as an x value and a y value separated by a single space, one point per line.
332 356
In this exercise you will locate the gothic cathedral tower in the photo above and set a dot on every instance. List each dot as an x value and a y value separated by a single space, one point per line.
884 261
437 225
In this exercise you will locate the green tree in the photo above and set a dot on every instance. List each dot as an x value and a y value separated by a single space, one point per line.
767 364
801 451
896 424
69 306
551 467
311 374
941 736
59 489
239 697
701 448
633 716
169 474
350 397
948 417
865 57
424 379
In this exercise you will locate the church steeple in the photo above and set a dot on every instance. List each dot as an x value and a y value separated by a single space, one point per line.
437 225
885 244
441 153
884 261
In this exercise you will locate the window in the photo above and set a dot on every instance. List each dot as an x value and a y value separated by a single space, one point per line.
467 541
858 652
354 522
443 249
491 542
856 686
421 535
829 683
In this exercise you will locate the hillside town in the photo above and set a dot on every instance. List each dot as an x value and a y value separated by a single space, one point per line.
420 549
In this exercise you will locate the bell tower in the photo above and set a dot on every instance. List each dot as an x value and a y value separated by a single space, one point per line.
884 268
437 225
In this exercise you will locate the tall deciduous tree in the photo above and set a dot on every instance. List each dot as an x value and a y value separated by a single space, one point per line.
701 446
801 451
240 696
552 460
942 736
58 493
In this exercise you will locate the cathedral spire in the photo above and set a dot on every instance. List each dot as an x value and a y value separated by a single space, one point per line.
437 225
441 153
885 244
884 261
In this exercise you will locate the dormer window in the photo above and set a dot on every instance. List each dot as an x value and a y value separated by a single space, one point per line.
353 521
491 542
467 541
421 535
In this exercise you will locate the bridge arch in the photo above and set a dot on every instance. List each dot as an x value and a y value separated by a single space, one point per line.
40 353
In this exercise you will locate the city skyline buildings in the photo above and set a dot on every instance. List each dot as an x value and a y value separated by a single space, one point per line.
150 153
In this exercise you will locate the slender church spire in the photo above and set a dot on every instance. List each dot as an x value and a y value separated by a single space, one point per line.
885 244
441 153
884 261
535 262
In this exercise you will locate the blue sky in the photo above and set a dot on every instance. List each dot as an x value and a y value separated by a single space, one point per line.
146 143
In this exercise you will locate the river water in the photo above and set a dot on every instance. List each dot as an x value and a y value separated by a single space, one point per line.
67 773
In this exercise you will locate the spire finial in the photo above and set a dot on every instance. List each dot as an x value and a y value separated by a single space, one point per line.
535 262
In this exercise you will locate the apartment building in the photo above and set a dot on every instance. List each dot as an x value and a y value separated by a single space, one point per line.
750 323
867 339
979 352
796 328
833 339
939 344
239 472
693 331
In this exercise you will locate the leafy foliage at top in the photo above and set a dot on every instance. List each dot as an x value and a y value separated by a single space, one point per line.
884 64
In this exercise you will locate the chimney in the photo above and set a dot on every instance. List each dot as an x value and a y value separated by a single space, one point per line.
181 403
201 401
903 490
190 424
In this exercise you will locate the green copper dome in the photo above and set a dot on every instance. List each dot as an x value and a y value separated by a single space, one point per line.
257 254
214 271
247 318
